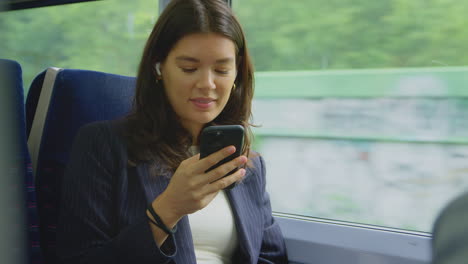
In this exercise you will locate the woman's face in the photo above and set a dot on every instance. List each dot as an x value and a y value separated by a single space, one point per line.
198 75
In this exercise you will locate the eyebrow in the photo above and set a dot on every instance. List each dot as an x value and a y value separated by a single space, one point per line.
192 59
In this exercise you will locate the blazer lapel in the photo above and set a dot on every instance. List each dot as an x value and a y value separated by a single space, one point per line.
247 218
244 203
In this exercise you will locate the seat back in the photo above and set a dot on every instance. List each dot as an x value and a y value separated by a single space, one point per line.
59 102
450 232
11 85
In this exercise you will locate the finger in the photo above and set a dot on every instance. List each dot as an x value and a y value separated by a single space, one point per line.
224 169
213 159
226 181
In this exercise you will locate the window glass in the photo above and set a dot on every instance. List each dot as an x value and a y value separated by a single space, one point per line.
362 105
104 36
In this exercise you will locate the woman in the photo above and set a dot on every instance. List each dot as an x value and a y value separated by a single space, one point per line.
136 191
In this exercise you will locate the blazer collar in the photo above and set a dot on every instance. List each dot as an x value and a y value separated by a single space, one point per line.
154 186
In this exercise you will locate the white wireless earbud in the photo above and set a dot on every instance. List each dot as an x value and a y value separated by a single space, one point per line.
158 68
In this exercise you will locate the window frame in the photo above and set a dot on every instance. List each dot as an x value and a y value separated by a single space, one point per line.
164 3
21 4
314 240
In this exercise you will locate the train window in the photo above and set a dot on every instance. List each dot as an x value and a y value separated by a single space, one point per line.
362 105
103 36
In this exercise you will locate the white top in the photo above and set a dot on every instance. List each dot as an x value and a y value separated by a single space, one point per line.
213 231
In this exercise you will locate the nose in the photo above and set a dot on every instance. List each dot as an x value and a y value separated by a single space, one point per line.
206 80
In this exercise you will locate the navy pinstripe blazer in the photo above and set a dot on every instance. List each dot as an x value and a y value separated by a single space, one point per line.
102 213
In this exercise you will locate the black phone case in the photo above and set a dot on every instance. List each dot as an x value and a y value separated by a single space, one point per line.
215 138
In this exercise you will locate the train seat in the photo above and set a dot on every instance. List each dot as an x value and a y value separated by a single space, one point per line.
450 232
59 102
12 79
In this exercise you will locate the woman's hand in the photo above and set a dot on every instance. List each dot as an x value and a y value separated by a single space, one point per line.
191 189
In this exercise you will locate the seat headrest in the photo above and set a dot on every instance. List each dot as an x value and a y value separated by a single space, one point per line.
78 97
11 83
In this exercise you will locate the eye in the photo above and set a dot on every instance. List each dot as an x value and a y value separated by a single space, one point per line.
188 70
222 71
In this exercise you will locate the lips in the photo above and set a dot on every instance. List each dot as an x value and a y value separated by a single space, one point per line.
202 102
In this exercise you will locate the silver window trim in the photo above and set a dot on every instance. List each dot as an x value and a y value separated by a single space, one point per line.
163 4
315 240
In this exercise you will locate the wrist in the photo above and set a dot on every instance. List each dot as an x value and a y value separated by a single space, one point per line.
165 212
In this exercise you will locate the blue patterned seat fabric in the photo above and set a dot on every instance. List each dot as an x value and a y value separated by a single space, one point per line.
22 167
78 97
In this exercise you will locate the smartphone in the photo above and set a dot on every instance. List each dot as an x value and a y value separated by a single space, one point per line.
215 138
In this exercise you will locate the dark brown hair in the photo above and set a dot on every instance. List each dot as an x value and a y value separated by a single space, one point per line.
153 130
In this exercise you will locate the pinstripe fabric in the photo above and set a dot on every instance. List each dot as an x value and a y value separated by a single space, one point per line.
72 104
103 209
